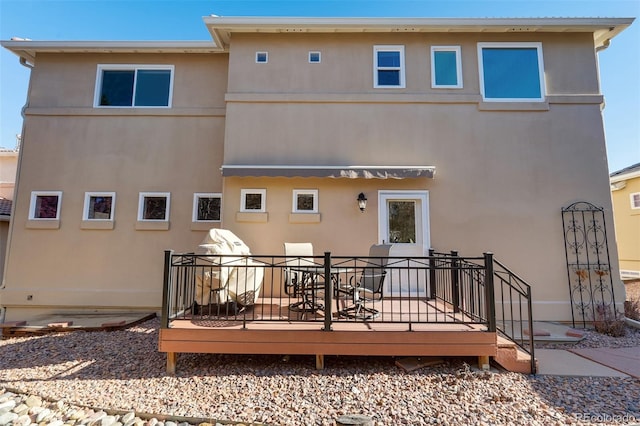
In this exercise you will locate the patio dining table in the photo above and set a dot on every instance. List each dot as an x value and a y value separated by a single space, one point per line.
311 271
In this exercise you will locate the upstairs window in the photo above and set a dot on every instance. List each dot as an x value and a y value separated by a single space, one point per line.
446 68
130 86
314 57
511 72
635 200
388 67
262 57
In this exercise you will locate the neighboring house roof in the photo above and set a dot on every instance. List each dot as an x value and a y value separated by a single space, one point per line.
221 27
630 172
5 207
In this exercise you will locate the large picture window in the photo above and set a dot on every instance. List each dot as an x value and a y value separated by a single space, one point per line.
511 72
45 205
388 66
134 86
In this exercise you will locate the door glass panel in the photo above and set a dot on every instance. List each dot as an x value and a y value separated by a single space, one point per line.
402 222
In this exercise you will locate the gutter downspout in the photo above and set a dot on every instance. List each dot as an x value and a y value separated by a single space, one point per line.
30 66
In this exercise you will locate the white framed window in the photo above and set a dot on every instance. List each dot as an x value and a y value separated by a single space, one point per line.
511 72
305 201
262 57
635 200
134 86
253 200
99 206
45 205
314 57
446 67
154 206
206 207
388 67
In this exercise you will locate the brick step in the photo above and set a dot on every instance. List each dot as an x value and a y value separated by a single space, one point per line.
512 358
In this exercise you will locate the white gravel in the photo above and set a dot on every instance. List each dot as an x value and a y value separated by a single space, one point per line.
122 370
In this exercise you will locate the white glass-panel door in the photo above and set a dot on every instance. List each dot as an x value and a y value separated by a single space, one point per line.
403 220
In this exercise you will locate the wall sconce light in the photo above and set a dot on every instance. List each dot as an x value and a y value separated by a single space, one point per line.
362 202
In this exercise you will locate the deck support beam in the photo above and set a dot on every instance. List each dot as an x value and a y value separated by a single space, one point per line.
172 359
319 362
483 362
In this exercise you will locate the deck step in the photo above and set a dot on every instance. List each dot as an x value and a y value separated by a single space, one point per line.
512 358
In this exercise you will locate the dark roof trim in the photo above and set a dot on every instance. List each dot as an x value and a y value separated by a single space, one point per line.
350 172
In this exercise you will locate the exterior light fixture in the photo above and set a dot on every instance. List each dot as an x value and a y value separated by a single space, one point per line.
362 202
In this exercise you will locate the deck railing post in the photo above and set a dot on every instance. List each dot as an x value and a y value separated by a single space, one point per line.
489 292
432 274
455 281
534 370
328 291
166 280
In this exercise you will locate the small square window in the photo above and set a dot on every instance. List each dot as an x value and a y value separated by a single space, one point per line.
206 207
305 201
253 200
45 205
262 57
99 205
314 57
446 68
154 206
388 66
635 200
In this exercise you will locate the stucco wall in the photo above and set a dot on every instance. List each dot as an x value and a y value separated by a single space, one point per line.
70 146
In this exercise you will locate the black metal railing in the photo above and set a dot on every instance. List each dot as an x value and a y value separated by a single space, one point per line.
442 288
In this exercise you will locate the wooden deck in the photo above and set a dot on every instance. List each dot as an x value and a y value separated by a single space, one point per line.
439 333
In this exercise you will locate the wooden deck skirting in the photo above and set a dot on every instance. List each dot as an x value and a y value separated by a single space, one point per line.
479 344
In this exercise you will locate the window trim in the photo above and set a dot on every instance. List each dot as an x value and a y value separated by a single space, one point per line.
458 51
511 45
32 205
266 57
401 69
314 52
312 192
87 200
243 199
143 195
134 68
633 204
196 197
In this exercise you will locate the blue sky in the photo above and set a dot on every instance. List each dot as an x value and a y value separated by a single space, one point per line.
182 20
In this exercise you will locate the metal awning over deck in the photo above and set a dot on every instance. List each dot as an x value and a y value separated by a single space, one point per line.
351 172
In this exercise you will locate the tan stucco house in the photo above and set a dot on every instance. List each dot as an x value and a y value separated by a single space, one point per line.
477 131
625 193
8 167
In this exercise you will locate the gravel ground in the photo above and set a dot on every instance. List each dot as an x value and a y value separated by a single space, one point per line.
122 370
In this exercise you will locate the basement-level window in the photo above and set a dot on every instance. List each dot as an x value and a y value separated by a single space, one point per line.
154 206
45 205
206 207
134 86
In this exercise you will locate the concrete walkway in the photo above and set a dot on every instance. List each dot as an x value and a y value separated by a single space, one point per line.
560 362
